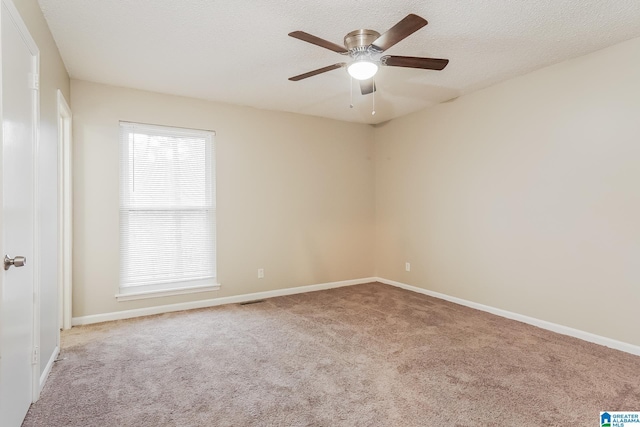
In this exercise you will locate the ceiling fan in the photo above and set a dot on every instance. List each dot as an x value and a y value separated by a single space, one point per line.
365 47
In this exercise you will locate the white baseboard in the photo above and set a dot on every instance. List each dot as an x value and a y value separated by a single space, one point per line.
127 314
554 327
47 369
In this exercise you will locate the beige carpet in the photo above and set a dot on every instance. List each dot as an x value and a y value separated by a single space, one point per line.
367 355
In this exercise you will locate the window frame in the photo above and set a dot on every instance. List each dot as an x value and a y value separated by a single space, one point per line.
160 288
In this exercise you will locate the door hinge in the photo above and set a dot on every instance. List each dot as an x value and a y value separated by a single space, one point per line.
36 356
35 81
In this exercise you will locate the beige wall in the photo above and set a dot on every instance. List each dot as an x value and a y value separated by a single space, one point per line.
524 196
295 194
53 76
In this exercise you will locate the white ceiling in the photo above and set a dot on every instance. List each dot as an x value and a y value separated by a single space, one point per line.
238 51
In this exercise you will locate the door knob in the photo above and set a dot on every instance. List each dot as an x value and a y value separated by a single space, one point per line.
18 261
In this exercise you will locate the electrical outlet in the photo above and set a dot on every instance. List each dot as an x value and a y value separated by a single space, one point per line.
407 266
261 273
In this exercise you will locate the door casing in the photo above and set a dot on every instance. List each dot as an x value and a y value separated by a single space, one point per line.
65 224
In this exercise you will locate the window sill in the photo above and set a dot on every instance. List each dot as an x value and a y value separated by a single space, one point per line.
131 296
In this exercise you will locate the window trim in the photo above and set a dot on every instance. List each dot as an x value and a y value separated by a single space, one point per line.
188 285
128 294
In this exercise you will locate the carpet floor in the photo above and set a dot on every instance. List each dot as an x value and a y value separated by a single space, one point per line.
366 355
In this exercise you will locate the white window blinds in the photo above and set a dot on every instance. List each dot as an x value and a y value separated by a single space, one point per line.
167 208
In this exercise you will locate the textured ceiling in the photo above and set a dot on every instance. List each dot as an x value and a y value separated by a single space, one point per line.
238 51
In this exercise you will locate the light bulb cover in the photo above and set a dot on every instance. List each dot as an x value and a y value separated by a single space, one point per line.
362 69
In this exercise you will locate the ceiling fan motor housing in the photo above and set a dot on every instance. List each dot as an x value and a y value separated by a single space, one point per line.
360 40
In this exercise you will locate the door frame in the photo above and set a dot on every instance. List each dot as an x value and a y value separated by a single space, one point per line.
35 52
65 213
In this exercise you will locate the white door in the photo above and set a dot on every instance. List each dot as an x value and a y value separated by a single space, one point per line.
19 102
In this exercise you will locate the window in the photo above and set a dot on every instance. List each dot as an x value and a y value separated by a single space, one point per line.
167 211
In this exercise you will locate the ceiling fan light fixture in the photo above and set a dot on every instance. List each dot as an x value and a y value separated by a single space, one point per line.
362 69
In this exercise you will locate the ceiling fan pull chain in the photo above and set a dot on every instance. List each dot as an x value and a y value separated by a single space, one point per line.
373 108
351 92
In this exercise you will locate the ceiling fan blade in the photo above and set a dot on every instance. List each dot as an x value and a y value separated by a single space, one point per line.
309 38
367 86
403 29
316 72
414 62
